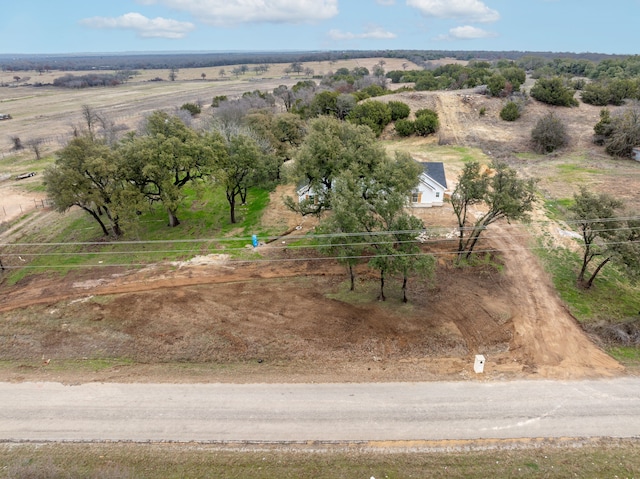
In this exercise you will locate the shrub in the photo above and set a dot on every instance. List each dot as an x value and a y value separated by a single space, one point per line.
192 108
374 90
549 134
515 76
405 127
624 133
553 92
510 112
604 128
426 122
496 84
399 110
425 111
595 94
375 114
483 111
217 100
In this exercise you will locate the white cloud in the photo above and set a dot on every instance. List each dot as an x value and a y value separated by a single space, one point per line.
375 33
145 27
231 12
471 10
468 32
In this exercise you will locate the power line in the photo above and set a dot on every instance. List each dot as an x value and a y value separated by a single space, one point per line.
329 235
305 259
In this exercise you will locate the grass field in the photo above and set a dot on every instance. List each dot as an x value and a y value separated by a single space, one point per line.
584 459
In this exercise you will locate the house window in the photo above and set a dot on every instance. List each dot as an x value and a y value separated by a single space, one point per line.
437 194
415 196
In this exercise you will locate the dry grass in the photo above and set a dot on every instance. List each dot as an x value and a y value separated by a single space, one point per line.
587 458
50 113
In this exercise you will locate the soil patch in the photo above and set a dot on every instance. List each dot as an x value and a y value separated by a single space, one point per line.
291 320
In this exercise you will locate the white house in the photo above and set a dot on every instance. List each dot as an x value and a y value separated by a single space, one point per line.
431 187
429 192
306 192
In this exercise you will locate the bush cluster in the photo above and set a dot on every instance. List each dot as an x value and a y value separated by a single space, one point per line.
553 91
425 124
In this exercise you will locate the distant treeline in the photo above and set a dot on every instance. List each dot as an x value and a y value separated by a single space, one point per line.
142 61
85 81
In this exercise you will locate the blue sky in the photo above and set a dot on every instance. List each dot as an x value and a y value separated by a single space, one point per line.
75 26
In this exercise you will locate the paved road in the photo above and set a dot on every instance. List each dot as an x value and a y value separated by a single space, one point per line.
321 412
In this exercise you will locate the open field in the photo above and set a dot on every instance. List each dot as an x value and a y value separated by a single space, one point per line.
459 459
50 113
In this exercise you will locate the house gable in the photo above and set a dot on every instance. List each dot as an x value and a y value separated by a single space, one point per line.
431 187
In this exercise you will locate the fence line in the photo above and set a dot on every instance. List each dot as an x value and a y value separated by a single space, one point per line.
21 208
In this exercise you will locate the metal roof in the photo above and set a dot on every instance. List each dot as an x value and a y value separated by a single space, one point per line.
436 171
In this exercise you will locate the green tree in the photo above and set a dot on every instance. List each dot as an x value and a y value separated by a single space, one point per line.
374 114
409 259
165 159
324 103
244 166
86 174
622 89
338 236
372 204
471 190
549 134
504 195
331 147
595 216
344 104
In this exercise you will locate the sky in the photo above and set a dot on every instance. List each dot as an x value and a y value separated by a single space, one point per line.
86 26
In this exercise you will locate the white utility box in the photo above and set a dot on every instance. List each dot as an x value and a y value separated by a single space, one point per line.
478 366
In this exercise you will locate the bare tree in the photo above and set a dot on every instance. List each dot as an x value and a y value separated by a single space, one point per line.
90 117
173 74
203 75
35 145
297 67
